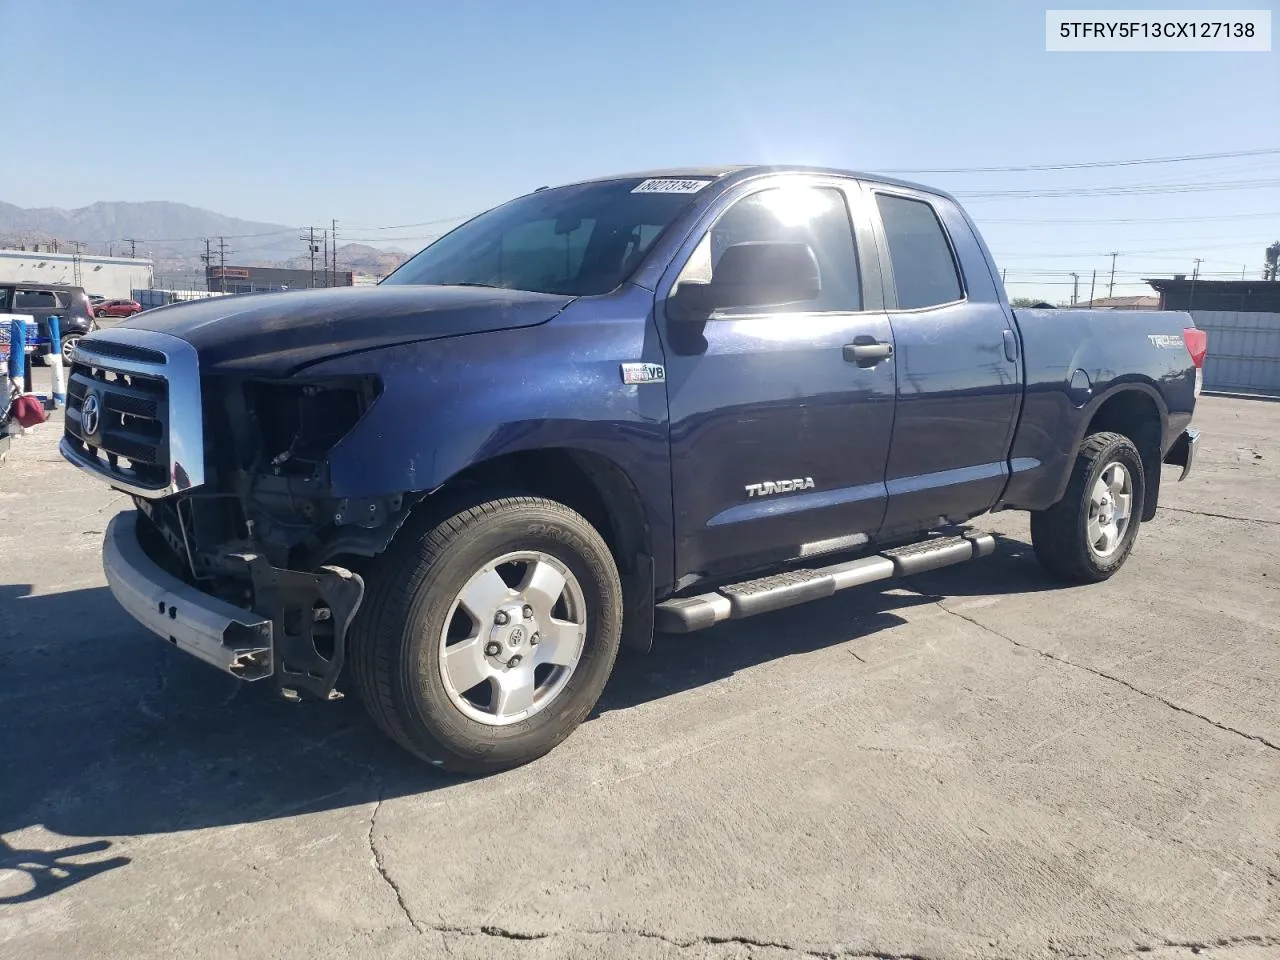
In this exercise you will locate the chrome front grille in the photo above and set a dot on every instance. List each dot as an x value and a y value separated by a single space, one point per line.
133 413
124 423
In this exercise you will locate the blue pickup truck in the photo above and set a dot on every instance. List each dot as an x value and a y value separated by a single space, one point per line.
637 403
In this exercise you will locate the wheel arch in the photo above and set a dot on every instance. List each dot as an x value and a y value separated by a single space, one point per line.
596 487
1137 411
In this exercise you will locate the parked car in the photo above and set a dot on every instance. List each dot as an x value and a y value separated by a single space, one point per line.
42 301
664 400
117 308
96 298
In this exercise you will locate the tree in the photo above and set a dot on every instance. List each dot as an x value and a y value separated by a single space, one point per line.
1023 302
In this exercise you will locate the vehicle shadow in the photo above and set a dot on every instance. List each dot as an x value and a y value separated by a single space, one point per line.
1011 568
109 733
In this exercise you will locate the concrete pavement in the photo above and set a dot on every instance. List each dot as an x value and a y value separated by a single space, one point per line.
978 763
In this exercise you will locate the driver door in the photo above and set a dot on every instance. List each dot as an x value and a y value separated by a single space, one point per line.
780 429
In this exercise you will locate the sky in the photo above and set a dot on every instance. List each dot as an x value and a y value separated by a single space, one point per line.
387 113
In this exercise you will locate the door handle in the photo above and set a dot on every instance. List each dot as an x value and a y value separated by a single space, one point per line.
867 351
1010 346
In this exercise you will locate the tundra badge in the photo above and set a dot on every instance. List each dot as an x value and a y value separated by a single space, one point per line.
779 486
644 373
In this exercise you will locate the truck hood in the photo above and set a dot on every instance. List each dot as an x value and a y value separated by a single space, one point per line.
276 334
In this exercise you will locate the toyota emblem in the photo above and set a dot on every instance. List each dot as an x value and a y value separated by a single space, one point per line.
90 413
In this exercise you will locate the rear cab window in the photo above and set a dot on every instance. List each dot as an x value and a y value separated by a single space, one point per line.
924 266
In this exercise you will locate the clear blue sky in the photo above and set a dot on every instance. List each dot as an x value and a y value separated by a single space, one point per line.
400 112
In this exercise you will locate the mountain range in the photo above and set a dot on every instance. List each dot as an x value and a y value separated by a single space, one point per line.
173 235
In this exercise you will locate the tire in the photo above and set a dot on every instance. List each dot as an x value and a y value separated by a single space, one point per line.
1061 535
100 314
414 611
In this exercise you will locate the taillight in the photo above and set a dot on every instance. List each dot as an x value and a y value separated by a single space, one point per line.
1197 342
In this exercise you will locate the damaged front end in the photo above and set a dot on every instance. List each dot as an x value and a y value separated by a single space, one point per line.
240 554
265 531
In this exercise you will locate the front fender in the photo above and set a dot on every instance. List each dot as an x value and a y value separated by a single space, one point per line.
447 405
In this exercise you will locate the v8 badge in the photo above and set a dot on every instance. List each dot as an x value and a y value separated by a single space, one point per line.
643 373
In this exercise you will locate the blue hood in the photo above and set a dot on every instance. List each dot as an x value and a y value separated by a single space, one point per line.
276 334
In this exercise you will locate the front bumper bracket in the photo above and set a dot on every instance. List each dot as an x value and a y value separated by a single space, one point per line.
296 631
233 639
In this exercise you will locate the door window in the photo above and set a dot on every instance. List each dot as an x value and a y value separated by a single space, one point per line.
817 216
924 270
34 300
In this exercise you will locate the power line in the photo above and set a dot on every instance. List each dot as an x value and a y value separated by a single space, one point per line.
1097 220
1092 165
424 223
1131 190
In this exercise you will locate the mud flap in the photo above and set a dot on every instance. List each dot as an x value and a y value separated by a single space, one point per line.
310 614
637 605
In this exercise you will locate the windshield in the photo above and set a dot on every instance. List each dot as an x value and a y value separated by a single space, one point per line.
576 241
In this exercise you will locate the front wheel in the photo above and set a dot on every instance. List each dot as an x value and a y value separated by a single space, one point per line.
487 638
1087 535
69 346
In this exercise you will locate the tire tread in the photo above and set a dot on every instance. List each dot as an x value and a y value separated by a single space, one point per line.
1054 532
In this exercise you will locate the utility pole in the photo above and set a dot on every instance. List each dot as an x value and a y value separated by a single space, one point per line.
1004 276
1195 271
325 260
1075 289
1112 286
222 263
310 237
333 225
133 246
207 259
1092 283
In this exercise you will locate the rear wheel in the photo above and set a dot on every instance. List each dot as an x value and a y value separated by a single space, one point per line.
487 638
1087 536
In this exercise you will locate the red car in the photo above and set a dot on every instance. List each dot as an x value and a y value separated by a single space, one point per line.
117 308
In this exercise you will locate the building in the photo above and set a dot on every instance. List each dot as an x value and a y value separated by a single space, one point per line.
272 279
1142 302
1236 296
112 277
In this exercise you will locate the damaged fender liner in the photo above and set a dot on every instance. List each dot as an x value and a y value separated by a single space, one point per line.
297 632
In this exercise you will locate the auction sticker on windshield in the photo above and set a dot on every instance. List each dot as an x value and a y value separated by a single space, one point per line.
671 186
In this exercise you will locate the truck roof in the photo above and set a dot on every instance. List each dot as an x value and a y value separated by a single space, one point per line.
745 171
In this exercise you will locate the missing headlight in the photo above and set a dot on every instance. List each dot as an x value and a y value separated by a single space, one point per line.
299 423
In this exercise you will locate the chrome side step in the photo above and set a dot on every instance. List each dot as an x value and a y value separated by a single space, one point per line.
738 600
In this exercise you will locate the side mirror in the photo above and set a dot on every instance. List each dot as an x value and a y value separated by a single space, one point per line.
756 273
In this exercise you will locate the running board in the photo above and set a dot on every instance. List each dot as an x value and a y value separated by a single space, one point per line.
738 600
